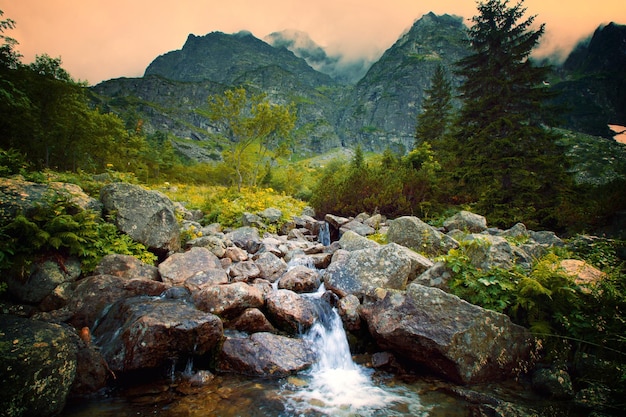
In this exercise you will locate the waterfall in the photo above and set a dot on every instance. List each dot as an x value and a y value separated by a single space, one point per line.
323 235
336 385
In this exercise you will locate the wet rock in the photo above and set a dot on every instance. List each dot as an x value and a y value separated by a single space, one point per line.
290 312
93 294
466 221
179 267
126 266
37 366
300 279
92 371
142 332
146 216
252 320
458 340
228 300
265 355
43 278
348 309
413 233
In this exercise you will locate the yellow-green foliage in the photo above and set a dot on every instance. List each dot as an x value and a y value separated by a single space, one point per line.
227 205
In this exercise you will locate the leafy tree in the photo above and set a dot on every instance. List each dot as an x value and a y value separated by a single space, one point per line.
433 122
245 120
502 155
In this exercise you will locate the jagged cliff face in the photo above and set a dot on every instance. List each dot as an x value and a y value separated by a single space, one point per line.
377 112
382 109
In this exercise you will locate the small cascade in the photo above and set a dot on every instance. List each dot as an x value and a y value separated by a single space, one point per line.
323 235
336 385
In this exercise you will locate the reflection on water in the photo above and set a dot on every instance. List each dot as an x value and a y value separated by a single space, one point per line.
233 395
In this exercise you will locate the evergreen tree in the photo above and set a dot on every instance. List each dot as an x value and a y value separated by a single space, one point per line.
432 123
504 157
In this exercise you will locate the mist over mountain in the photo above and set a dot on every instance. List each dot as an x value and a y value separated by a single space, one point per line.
343 103
338 66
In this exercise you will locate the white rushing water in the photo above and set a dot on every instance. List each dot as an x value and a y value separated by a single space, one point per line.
336 385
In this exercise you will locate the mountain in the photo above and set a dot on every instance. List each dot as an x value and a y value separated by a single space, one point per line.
378 111
383 107
339 67
592 83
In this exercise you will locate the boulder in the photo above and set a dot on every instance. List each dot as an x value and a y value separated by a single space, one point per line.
37 366
290 312
20 196
553 383
252 320
413 233
466 221
179 267
92 371
488 251
300 279
142 333
357 227
271 267
252 220
360 271
126 266
246 238
207 278
244 271
436 276
271 215
228 300
93 294
584 274
215 244
146 216
462 342
265 355
351 240
348 309
236 254
44 277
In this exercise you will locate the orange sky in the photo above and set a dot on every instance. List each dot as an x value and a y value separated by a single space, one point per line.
103 39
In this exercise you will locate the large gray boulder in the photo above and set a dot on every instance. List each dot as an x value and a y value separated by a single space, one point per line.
37 366
361 271
466 221
413 233
144 332
126 266
460 341
488 251
149 217
266 355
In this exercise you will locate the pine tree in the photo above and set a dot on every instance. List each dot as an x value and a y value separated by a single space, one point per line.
504 158
432 123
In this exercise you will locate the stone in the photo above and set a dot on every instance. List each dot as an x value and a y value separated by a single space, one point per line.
348 309
246 238
413 233
37 366
351 240
244 271
436 276
126 266
228 300
271 215
213 243
179 267
144 333
271 267
252 320
460 341
488 251
207 278
290 312
148 217
358 228
94 294
265 355
43 278
467 222
360 271
300 279
553 383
